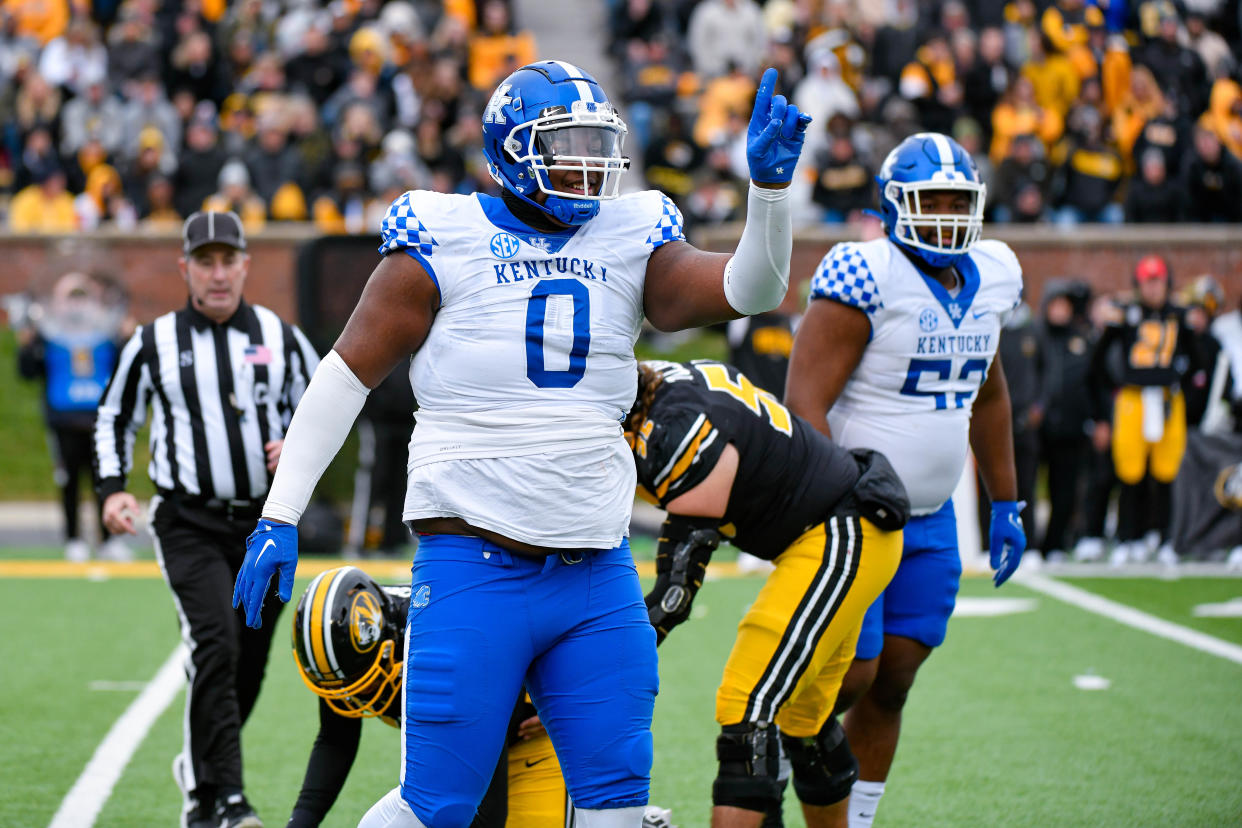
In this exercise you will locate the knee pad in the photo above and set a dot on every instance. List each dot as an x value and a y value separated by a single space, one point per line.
750 765
824 769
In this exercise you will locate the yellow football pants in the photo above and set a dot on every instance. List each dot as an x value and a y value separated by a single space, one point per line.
796 641
537 796
1133 455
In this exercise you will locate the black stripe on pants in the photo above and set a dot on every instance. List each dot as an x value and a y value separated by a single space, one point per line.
227 659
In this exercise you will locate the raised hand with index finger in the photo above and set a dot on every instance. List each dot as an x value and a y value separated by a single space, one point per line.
775 135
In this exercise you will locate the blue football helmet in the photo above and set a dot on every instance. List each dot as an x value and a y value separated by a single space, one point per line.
929 161
548 116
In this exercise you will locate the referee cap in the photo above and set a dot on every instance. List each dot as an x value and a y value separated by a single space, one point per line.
212 227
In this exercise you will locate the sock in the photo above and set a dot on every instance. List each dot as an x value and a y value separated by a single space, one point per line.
864 799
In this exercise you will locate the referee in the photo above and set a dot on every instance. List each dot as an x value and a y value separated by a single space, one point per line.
222 378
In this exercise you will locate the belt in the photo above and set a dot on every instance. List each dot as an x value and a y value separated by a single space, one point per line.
231 509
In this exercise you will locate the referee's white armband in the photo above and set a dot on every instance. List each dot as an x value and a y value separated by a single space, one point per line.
321 422
756 278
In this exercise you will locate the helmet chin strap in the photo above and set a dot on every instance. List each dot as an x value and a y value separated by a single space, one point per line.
567 211
571 211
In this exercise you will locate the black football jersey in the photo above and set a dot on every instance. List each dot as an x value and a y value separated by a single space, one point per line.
1156 345
789 475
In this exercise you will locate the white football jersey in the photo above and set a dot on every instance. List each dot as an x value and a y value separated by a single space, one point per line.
528 370
911 395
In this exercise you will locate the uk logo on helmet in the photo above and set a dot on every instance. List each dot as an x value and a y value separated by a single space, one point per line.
494 114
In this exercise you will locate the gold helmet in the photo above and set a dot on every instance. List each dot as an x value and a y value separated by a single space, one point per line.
345 641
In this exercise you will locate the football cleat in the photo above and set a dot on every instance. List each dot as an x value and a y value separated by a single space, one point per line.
655 817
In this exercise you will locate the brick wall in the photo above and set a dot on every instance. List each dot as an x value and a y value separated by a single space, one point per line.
147 266
1104 256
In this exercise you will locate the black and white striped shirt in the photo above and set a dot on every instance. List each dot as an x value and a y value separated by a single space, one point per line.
218 393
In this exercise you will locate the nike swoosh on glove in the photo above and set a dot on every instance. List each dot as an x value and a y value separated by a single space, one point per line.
774 137
271 549
1006 539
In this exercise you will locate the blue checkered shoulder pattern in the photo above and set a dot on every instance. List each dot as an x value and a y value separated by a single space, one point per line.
669 228
401 228
845 277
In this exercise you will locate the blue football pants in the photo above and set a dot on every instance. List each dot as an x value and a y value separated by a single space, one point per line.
572 627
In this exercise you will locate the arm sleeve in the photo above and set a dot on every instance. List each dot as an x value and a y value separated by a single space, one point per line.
122 409
676 448
332 756
757 277
319 428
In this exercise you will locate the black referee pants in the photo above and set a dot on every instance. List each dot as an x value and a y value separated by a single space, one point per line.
200 553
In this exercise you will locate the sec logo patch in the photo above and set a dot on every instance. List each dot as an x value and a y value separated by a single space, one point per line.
505 245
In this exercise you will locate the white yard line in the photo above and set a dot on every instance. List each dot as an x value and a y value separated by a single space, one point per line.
86 798
1131 617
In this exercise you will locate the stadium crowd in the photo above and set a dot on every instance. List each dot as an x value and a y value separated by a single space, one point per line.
138 112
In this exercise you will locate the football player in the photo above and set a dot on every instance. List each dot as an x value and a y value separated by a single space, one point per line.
895 353
349 643
1147 435
725 459
522 312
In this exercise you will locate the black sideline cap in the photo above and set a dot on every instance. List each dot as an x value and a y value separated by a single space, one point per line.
212 228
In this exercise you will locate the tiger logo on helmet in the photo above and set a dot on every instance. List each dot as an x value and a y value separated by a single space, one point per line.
345 637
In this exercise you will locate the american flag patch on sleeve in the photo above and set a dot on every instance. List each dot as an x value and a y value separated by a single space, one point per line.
257 355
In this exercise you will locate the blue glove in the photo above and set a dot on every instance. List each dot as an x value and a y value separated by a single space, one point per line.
1006 538
271 548
774 137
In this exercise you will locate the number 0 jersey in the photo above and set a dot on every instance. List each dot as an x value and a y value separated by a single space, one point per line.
529 367
911 395
789 476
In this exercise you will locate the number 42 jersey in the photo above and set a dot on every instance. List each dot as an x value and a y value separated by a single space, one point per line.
930 350
529 368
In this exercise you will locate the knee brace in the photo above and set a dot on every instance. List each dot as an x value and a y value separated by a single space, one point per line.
750 765
824 769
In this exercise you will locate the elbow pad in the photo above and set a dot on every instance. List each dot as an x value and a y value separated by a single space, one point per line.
757 277
320 425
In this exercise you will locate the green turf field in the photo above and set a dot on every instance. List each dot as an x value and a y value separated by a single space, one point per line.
996 732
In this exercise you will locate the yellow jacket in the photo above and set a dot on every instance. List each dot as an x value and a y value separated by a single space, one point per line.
31 212
1055 81
1009 121
1221 117
43 20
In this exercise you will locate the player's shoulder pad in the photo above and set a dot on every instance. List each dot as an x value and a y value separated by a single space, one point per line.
677 445
1001 257
408 224
650 213
845 276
